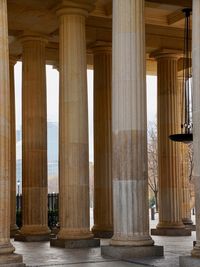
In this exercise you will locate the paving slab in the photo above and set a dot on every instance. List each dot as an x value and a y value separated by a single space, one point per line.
41 254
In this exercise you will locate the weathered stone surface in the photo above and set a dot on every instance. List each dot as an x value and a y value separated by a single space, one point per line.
129 127
34 141
184 172
171 232
74 154
131 252
189 261
196 117
80 243
191 227
11 260
13 226
31 238
103 204
169 152
102 233
6 248
13 232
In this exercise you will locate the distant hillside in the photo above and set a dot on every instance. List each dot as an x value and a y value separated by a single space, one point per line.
52 146
52 132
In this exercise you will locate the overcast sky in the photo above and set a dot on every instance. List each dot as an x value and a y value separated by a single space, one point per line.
52 98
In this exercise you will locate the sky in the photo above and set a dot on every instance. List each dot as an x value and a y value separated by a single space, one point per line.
53 101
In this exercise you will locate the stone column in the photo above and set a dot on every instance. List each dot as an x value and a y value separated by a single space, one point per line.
7 257
13 226
196 117
186 210
73 141
34 140
103 217
194 261
186 186
169 159
184 169
129 135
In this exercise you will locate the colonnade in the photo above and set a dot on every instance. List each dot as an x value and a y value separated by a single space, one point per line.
120 121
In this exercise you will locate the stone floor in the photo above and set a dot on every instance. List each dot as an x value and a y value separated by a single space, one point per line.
41 254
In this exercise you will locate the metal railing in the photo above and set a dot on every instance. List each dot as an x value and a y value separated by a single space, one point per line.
53 207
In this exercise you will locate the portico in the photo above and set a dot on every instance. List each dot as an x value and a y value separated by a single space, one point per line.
123 41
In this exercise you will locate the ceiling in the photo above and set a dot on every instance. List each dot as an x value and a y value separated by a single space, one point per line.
164 23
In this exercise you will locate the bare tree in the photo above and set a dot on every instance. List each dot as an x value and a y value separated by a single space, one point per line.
153 161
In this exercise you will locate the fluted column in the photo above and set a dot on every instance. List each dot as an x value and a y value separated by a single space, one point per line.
103 217
129 128
6 248
184 169
186 210
196 117
194 261
73 142
185 184
13 226
169 152
34 140
184 164
129 135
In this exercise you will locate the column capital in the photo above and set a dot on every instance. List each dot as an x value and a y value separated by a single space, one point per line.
33 36
166 53
76 7
99 47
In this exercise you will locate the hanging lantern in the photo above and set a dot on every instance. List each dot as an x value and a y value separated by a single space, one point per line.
186 136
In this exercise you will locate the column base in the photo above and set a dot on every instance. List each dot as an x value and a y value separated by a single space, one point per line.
185 261
13 232
191 227
74 243
102 233
131 252
55 230
196 249
187 221
31 238
11 260
171 232
33 233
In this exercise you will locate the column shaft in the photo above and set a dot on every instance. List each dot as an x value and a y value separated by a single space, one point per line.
73 142
13 226
129 126
5 166
184 168
103 217
196 116
185 185
34 138
6 249
169 152
169 122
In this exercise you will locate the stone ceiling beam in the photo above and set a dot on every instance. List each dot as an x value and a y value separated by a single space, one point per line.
182 3
175 17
